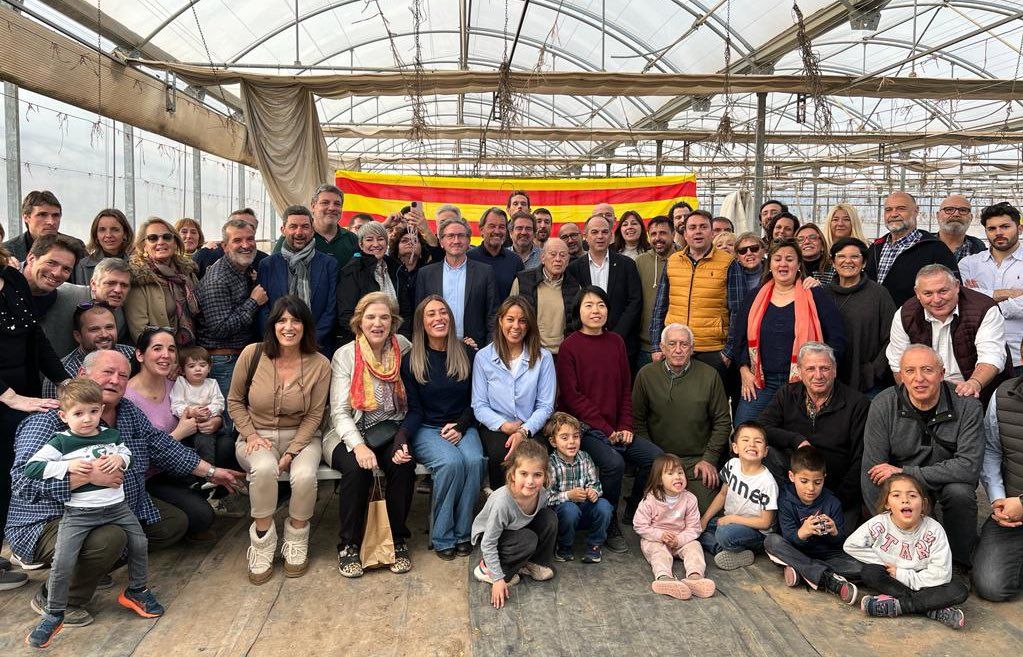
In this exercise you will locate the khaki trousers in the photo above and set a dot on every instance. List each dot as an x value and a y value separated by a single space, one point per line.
262 468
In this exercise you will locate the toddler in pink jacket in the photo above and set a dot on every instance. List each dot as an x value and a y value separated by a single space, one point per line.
668 523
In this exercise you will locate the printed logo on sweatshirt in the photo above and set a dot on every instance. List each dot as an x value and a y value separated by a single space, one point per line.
741 487
890 544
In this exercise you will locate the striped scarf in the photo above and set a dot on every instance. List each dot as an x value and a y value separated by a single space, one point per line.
368 370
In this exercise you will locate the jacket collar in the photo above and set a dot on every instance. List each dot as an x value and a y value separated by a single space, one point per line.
945 411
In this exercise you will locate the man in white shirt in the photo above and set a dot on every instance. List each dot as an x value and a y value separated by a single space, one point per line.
998 272
964 327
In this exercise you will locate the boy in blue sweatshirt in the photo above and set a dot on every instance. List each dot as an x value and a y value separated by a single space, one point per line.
810 518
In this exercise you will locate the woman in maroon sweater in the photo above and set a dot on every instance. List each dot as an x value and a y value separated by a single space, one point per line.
594 385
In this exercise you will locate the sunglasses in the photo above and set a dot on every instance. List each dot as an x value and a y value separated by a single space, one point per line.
89 305
158 329
152 238
752 248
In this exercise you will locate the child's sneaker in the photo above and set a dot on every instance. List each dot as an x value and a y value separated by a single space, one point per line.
483 574
951 616
700 586
840 586
672 587
564 554
593 554
537 572
726 560
142 602
791 576
48 627
881 605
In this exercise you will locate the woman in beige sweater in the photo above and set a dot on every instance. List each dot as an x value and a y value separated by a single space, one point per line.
277 408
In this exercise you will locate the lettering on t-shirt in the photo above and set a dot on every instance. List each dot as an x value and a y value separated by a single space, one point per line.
741 487
891 544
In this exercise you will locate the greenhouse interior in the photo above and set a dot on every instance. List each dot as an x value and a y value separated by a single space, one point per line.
196 109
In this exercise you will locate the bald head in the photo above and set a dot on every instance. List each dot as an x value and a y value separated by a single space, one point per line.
900 212
554 257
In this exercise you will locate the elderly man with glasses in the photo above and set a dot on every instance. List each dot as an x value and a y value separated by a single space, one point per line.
954 217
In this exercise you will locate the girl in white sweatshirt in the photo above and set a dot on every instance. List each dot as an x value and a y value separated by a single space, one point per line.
906 557
668 523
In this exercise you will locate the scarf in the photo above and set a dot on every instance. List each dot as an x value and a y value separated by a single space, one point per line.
298 269
808 327
179 290
362 394
383 278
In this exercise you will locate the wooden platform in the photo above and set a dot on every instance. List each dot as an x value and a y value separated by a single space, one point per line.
439 610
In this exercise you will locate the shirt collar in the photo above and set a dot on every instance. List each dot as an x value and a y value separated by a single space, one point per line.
931 318
672 373
911 237
461 267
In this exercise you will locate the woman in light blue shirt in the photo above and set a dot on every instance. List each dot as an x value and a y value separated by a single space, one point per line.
513 384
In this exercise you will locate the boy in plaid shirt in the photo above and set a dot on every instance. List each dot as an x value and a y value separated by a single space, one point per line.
575 491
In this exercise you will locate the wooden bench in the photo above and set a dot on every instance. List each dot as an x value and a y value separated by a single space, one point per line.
327 473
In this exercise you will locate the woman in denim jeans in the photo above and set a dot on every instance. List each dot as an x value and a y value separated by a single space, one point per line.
441 426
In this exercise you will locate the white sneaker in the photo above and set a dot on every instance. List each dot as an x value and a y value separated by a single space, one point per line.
295 550
537 572
260 554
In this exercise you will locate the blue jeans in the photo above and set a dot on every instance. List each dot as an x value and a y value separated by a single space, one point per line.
750 410
457 476
731 538
221 371
998 562
582 515
610 461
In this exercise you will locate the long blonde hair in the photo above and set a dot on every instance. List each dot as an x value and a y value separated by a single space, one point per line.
458 365
854 219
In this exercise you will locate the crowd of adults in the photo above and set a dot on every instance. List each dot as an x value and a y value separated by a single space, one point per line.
373 346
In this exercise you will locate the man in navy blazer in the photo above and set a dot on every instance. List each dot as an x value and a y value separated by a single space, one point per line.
299 249
468 286
615 274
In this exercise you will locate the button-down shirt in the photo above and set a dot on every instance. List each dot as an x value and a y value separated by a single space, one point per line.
991 465
453 285
505 264
498 396
980 272
228 312
564 476
34 502
73 362
533 260
989 342
598 273
891 250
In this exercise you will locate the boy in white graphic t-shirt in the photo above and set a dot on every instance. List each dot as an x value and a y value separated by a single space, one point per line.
749 497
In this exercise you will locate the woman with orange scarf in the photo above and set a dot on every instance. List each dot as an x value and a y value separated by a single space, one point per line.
775 322
367 405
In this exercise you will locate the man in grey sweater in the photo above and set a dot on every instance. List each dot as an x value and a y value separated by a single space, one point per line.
924 429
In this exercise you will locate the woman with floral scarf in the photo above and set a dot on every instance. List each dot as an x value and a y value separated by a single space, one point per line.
162 283
367 405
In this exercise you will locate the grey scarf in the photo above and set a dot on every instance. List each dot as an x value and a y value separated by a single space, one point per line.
298 269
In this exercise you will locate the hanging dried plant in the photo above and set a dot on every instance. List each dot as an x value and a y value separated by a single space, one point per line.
724 133
812 74
413 82
506 101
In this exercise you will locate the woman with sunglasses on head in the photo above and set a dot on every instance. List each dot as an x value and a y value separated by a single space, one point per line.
157 355
110 236
630 237
162 283
744 274
775 322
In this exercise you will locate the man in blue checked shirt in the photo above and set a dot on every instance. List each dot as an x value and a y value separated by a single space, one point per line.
37 505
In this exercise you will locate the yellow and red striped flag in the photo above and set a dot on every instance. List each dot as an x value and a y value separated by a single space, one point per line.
569 200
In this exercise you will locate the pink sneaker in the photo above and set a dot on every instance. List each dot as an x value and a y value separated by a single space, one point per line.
700 586
672 587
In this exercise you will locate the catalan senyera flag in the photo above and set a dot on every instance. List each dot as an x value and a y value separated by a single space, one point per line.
569 200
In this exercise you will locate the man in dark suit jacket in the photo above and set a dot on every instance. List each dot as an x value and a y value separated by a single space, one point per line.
468 286
617 275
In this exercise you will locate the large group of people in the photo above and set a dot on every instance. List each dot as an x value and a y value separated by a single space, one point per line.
771 390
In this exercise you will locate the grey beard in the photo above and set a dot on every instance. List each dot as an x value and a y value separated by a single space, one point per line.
953 227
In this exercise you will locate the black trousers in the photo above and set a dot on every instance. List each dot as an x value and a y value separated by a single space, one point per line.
534 542
176 492
9 420
355 486
914 602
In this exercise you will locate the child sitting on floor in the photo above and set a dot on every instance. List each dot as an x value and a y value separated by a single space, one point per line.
668 523
749 497
907 558
75 452
575 492
812 527
516 530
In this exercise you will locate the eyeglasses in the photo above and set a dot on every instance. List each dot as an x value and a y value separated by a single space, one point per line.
956 209
807 239
752 248
153 238
456 236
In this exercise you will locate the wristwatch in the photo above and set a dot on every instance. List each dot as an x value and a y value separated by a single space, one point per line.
212 471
